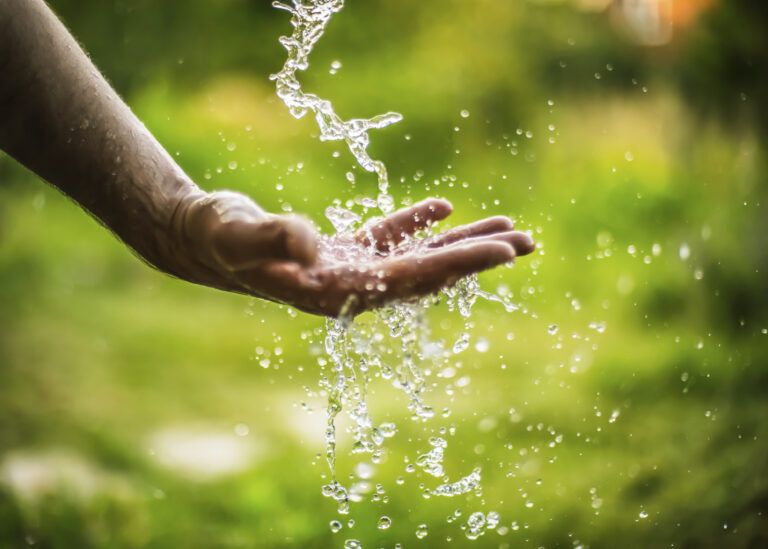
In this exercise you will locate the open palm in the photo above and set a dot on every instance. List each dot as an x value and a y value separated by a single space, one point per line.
234 245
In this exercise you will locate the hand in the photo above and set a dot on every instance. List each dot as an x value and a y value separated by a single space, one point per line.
228 242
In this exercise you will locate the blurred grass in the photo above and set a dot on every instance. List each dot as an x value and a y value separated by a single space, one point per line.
99 354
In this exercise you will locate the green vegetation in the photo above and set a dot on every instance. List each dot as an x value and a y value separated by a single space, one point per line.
649 208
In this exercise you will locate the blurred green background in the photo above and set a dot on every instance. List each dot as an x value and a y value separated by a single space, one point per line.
137 411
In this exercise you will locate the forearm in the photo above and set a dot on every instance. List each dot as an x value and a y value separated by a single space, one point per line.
62 120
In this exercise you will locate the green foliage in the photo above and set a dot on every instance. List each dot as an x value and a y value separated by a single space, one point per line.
99 355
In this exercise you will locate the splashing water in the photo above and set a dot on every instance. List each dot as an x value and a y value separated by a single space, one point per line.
396 345
478 523
432 462
309 19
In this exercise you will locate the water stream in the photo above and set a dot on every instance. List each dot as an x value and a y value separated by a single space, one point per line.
309 20
396 345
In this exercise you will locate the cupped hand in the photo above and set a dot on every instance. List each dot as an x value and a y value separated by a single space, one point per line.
226 241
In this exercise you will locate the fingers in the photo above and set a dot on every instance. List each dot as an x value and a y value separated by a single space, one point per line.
240 245
521 242
320 291
352 289
391 230
410 276
487 226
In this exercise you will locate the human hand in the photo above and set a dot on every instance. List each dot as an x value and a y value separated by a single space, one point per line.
228 242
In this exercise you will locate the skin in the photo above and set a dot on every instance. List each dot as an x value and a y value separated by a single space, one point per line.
61 119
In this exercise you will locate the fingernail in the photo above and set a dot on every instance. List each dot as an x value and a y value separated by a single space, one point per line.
442 208
511 253
524 244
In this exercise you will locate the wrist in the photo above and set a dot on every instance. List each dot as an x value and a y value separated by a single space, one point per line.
185 248
175 243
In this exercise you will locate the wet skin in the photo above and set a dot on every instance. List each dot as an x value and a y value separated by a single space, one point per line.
62 120
277 257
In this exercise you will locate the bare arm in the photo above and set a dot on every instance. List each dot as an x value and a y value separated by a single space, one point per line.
62 120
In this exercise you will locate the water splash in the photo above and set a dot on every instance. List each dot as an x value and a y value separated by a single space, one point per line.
465 485
309 20
432 462
396 345
478 523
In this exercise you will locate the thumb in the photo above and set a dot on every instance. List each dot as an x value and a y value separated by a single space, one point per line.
241 245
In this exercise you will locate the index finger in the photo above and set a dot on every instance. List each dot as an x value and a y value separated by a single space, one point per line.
417 275
392 230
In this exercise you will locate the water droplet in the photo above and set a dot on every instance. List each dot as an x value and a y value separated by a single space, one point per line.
492 520
464 113
335 526
422 531
475 525
482 345
462 486
461 344
387 430
364 471
599 327
341 218
384 523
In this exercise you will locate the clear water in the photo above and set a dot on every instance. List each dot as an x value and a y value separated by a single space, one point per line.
309 20
396 345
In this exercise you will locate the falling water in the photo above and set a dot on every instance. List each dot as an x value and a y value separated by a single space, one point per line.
309 20
396 345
